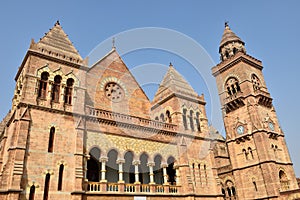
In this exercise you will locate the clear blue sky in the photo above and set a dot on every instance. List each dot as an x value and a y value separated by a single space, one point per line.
270 30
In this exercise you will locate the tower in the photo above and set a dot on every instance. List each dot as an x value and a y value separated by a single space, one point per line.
260 162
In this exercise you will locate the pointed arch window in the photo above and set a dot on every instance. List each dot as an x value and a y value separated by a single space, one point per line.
168 114
171 172
192 120
284 182
42 93
255 82
51 139
46 186
32 192
162 117
60 177
69 91
198 121
232 86
250 152
56 89
184 118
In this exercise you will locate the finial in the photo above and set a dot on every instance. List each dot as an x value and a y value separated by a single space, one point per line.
170 65
113 43
226 24
57 22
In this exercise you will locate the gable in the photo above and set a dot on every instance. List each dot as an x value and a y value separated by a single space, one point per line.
111 86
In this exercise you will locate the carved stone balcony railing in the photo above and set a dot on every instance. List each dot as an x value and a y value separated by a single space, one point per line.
119 118
99 187
233 102
264 98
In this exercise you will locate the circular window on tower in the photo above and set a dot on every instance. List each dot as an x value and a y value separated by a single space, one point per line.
114 92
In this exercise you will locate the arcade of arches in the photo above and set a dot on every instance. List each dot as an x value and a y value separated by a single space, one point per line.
115 168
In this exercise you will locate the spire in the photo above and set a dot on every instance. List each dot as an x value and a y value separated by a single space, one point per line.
175 83
230 43
56 43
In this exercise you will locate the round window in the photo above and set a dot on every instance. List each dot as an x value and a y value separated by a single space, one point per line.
114 92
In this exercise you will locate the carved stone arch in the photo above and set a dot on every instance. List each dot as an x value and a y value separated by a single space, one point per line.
113 79
61 162
71 75
43 69
101 154
231 76
143 152
57 72
110 149
55 126
46 171
159 154
228 178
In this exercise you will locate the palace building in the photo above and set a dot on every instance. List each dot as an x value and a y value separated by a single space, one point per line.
84 133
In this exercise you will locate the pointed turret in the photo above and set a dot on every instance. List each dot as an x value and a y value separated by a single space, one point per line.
56 43
230 44
176 84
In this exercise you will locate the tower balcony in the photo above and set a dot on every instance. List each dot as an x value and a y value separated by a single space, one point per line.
234 102
264 98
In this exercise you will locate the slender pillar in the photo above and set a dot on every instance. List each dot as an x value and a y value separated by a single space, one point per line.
103 161
151 165
120 163
177 178
87 157
136 170
165 175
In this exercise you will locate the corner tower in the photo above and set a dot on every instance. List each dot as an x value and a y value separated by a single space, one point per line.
260 162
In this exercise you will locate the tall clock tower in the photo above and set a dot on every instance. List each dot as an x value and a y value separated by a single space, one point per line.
260 161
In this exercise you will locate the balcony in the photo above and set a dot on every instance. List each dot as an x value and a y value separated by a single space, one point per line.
264 98
114 117
127 188
234 102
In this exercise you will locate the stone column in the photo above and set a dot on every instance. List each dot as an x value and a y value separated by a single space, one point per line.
151 165
120 163
136 170
103 161
165 175
87 157
177 178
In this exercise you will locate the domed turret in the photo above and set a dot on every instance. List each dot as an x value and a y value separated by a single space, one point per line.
230 44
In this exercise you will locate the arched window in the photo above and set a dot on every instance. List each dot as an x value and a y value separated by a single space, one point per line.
284 182
56 88
43 85
144 169
245 154
69 91
254 184
158 172
255 82
156 118
192 120
184 118
129 175
112 167
198 121
232 86
168 114
32 192
51 139
162 117
231 191
234 51
46 186
93 165
250 152
171 172
60 177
